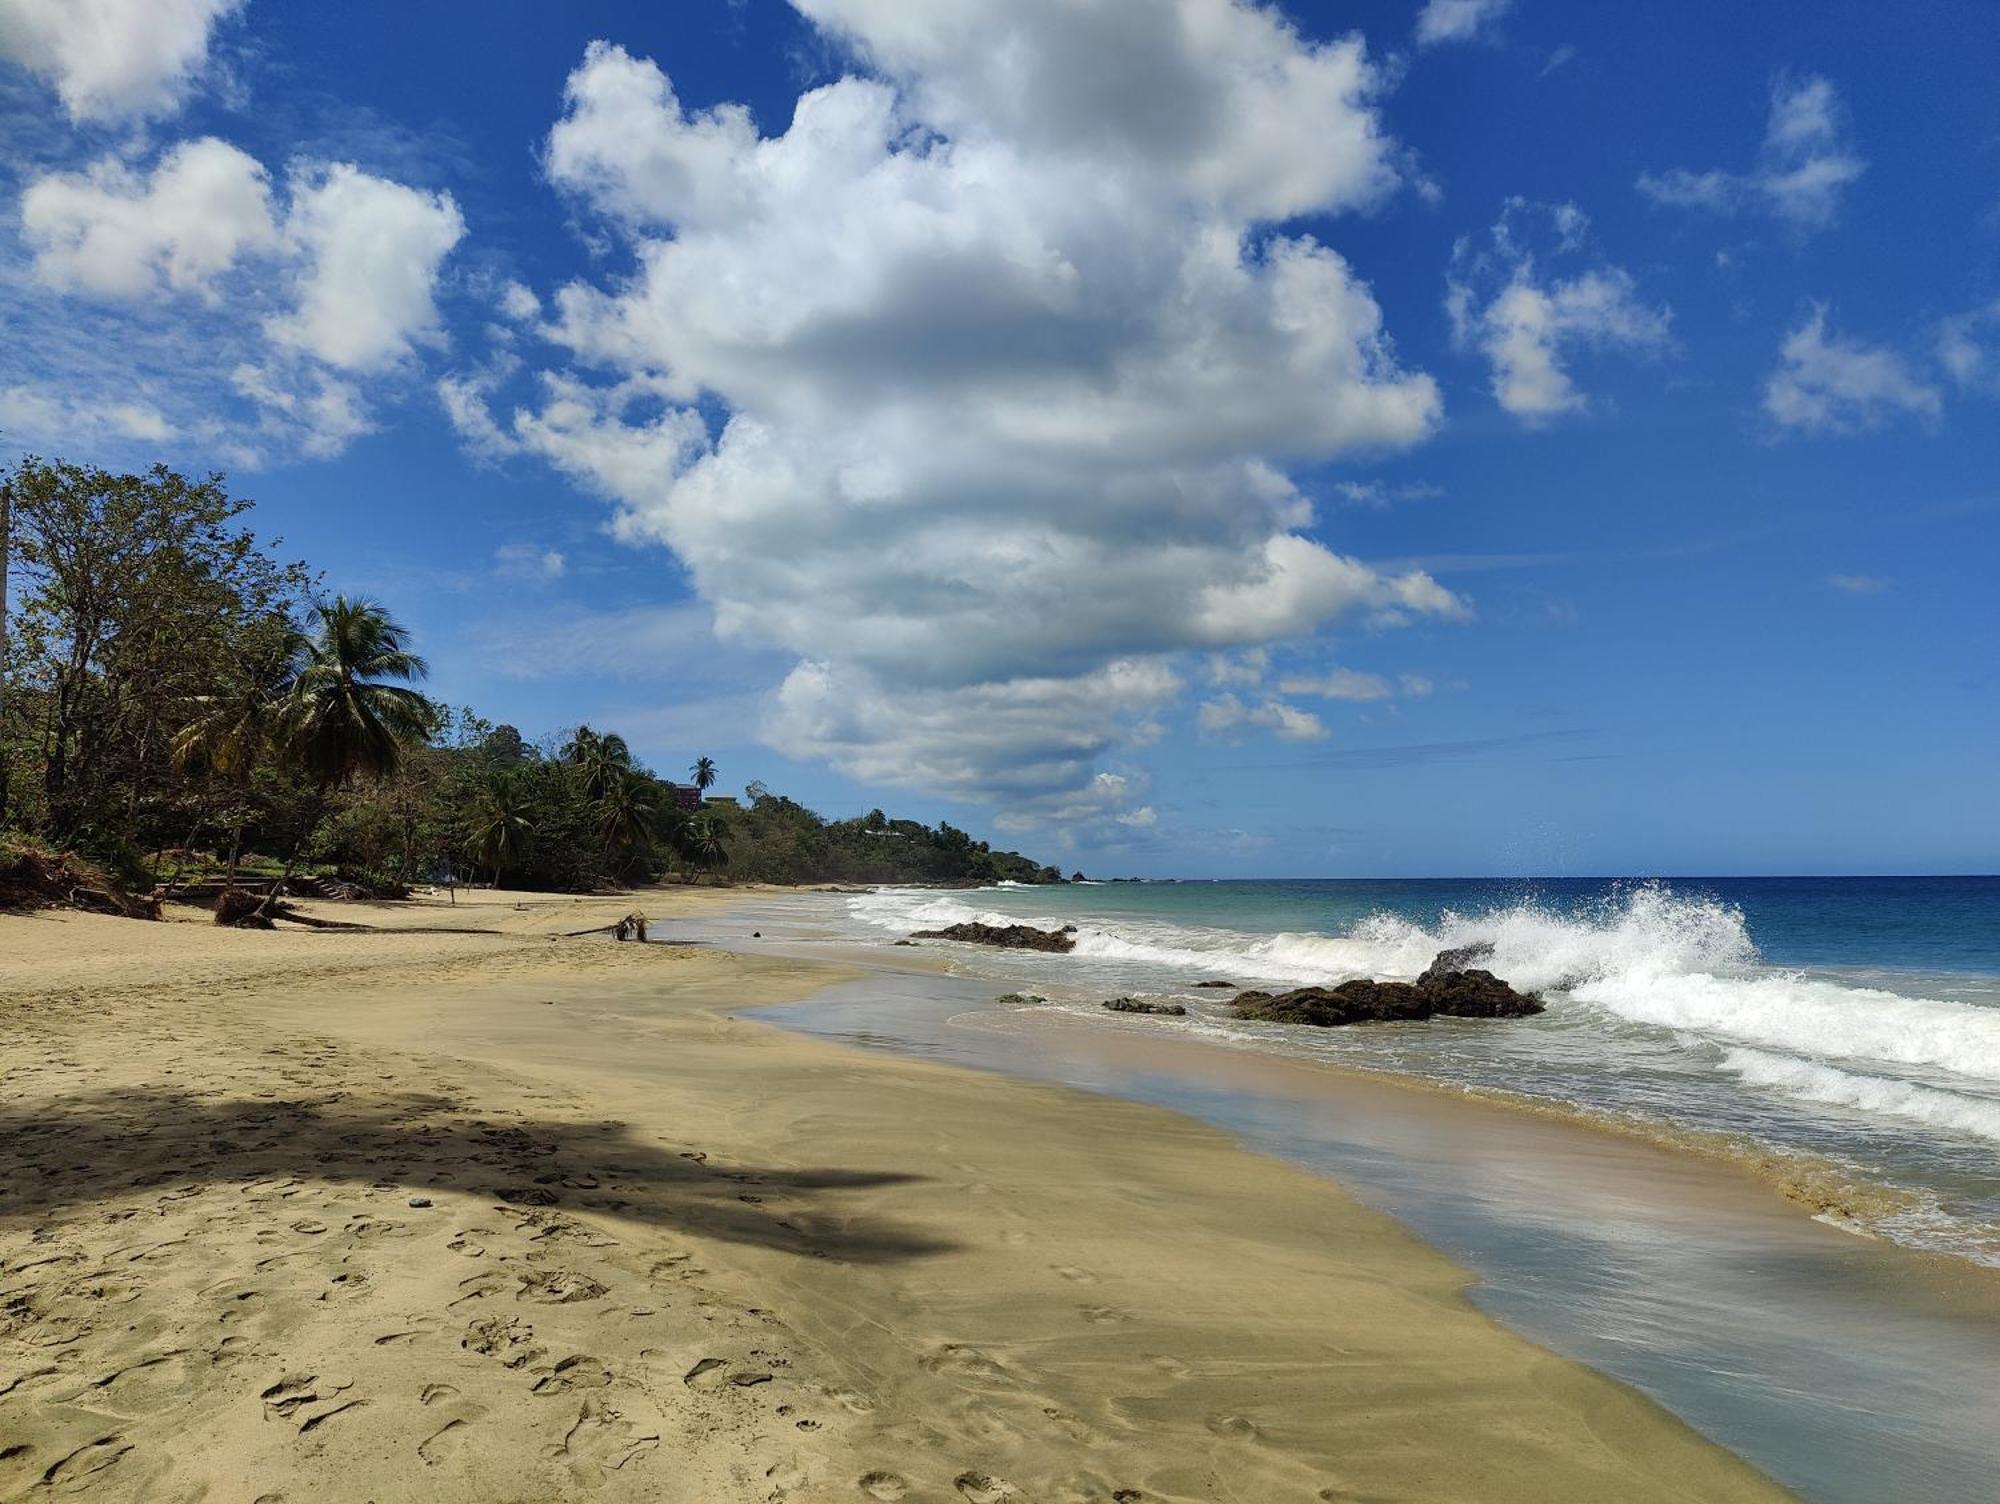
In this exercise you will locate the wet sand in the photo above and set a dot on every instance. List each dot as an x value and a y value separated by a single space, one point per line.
671 1254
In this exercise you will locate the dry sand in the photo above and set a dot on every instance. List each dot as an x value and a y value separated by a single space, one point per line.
500 1216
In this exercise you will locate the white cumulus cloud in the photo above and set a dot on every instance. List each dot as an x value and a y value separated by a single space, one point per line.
368 252
1827 383
112 59
977 385
1805 164
120 233
1528 323
297 294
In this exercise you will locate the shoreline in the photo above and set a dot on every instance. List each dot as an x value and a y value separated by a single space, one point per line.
1688 1276
917 1281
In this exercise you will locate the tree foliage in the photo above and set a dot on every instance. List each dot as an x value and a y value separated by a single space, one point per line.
178 700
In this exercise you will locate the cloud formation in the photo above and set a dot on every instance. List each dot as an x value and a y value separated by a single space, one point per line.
112 59
1457 20
1527 323
298 294
1968 347
1227 712
118 233
976 387
1825 383
1804 166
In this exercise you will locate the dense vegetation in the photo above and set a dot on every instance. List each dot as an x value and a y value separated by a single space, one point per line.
176 701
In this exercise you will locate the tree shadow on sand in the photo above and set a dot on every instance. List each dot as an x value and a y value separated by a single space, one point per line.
108 1144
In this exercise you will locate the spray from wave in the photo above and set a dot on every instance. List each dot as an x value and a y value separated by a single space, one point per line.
1644 957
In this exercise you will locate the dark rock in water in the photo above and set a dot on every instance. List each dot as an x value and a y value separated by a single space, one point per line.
1007 936
1141 1005
1020 999
1473 993
1446 962
1215 984
906 942
1456 994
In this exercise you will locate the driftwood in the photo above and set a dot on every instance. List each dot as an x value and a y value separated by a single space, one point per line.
631 927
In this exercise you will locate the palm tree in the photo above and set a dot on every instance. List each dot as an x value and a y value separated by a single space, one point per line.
499 830
701 844
704 773
343 719
628 815
236 728
601 759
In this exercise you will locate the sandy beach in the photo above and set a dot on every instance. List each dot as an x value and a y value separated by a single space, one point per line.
416 1214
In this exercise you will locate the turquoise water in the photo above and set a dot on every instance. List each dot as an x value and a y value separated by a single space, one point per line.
1847 1030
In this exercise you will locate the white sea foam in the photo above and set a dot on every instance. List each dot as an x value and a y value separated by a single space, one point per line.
1649 957
1930 1106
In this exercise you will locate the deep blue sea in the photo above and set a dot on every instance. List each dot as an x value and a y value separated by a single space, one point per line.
1842 1032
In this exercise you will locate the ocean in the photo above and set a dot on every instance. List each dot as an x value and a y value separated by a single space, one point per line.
1844 1033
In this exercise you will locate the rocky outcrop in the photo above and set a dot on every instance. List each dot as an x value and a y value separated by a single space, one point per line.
1446 962
1215 984
1446 988
1006 936
1142 1005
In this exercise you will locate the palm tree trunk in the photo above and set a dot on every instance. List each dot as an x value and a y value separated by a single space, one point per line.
320 796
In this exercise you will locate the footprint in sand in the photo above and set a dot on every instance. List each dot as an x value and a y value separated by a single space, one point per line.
152 1384
559 1287
479 1287
320 1417
91 1457
1072 1426
884 1486
1075 1275
1102 1315
984 1488
1235 1427
707 1374
602 1436
578 1372
434 1394
847 1399
958 1361
442 1443
507 1338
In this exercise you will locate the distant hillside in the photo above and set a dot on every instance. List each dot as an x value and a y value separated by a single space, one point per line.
778 840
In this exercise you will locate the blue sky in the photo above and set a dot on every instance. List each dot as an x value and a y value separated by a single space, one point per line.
1184 438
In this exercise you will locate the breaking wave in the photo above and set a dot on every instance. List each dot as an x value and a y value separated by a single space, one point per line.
1644 957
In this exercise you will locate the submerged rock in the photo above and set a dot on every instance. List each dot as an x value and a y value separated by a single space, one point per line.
1020 999
1007 936
1142 1005
1215 984
1456 994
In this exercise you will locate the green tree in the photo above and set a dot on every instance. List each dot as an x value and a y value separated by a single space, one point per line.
701 844
345 718
236 726
704 773
501 826
601 759
628 815
132 590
